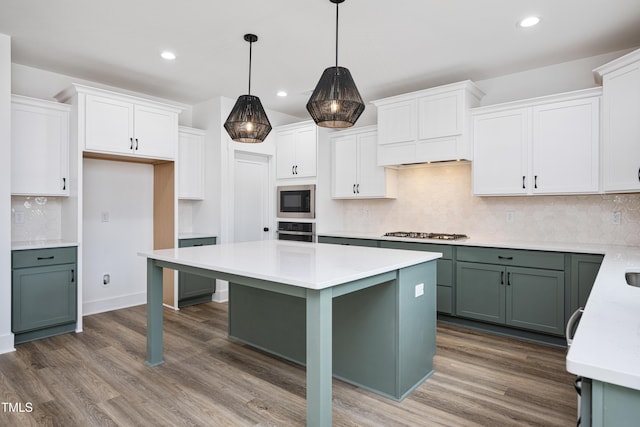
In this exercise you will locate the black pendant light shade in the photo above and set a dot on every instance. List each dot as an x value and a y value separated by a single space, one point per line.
248 121
335 102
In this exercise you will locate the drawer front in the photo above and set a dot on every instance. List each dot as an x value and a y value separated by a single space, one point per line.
446 250
518 257
200 241
43 257
348 241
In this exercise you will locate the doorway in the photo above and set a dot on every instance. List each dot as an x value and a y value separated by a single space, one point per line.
252 197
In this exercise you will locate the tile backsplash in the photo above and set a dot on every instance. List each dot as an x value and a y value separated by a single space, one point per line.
41 218
437 198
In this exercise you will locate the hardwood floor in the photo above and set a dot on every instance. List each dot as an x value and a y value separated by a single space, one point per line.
98 378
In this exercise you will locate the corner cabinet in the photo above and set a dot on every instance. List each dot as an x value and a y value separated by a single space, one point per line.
39 147
296 150
547 145
190 163
355 173
43 292
621 127
113 124
517 288
426 126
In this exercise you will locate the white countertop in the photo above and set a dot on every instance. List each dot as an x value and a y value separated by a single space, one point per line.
308 265
606 345
41 244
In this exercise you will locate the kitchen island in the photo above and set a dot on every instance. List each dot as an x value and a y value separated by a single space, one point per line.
400 317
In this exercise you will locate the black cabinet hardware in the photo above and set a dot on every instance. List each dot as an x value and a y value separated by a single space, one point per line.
638 174
354 189
73 275
358 188
40 258
535 181
509 279
265 229
504 257
64 183
131 146
502 277
523 177
136 144
198 244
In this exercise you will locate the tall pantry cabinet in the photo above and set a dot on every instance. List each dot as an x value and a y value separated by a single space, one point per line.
111 126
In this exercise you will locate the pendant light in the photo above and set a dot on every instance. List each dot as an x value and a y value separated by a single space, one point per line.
335 102
247 121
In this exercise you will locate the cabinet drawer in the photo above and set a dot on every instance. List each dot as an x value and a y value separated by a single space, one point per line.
519 257
446 250
42 257
347 241
199 241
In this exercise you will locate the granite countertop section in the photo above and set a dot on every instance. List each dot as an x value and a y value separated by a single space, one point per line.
606 345
307 265
191 235
41 244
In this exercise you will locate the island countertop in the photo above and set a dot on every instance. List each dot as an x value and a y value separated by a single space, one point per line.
308 265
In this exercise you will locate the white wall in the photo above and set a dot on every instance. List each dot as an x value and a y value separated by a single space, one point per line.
6 337
124 191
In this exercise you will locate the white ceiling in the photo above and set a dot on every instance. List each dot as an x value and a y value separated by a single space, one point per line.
391 47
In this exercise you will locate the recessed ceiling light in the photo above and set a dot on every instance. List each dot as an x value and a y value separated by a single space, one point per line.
168 55
281 93
529 21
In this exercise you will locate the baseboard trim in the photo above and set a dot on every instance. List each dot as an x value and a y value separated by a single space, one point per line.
110 304
7 343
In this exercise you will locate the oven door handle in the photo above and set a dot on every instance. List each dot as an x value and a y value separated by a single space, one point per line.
573 320
296 233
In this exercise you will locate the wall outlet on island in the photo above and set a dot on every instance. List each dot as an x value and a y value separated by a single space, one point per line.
419 289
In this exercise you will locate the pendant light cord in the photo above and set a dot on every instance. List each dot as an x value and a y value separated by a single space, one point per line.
250 45
337 4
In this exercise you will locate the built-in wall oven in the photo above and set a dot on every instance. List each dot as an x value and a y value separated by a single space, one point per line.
298 231
297 201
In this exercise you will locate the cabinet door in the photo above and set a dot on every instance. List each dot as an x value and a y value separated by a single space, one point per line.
480 291
584 269
109 125
285 154
397 122
621 150
39 150
43 297
305 152
344 160
372 179
440 115
566 139
535 299
190 165
500 143
156 132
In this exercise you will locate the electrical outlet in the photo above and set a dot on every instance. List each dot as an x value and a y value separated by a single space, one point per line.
106 279
616 217
18 217
511 216
419 289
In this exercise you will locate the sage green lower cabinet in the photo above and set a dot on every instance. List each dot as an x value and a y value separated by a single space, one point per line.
348 241
584 269
521 297
194 289
43 293
605 405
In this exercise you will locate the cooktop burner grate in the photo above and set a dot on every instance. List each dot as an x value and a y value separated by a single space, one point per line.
420 235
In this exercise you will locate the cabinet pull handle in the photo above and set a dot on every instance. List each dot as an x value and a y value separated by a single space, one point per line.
502 277
296 169
523 177
358 188
40 258
293 168
638 174
64 183
136 144
354 189
535 181
198 244
508 279
131 146
504 257
73 275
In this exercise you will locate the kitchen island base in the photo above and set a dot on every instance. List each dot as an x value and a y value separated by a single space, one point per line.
383 335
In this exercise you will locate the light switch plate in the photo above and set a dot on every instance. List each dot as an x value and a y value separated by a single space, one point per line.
419 289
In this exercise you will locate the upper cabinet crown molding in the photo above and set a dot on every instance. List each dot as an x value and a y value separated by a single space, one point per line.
429 125
616 64
39 147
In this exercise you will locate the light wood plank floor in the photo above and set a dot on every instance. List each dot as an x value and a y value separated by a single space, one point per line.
98 378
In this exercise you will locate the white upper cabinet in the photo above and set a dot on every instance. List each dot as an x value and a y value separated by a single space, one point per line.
123 125
426 126
39 147
621 123
354 169
190 163
296 150
547 145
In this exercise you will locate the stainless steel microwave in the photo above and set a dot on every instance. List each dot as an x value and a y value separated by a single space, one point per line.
297 201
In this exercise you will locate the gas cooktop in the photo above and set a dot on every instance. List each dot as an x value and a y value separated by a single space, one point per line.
420 235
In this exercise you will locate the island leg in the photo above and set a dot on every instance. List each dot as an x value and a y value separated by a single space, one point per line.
154 314
319 357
